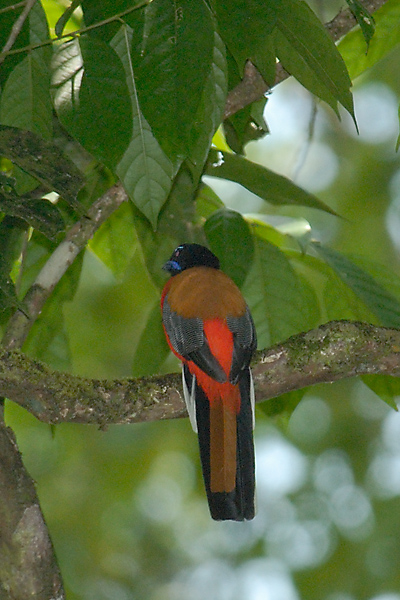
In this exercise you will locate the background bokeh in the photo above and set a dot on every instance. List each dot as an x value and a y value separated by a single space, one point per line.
126 506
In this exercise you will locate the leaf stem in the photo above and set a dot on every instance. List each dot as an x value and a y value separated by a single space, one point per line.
72 34
16 29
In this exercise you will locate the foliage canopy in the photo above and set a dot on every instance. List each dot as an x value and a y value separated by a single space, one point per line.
102 93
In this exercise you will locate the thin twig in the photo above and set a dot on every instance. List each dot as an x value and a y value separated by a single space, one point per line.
12 7
76 33
16 29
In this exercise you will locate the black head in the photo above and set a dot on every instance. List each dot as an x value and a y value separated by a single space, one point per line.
187 256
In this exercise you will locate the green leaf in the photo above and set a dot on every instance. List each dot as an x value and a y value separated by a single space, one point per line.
387 37
211 108
364 19
152 349
115 242
145 171
7 22
65 17
384 386
270 186
282 407
247 125
311 55
341 302
244 26
34 31
207 201
92 99
47 339
174 43
175 225
281 302
43 160
39 31
118 11
230 239
381 302
25 100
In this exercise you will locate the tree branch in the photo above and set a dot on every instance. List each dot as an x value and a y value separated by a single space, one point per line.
253 87
336 350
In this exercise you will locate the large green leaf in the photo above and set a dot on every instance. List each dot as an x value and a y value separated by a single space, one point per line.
282 303
245 25
117 12
210 110
47 339
342 302
36 254
381 302
172 56
91 97
307 52
230 239
34 31
115 242
386 37
42 159
152 349
270 186
175 226
207 201
25 101
145 171
65 17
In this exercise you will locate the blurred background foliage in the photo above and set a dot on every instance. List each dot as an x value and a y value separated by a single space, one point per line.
126 506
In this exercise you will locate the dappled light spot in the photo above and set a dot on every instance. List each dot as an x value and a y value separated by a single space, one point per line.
266 579
376 113
351 512
281 468
310 420
332 470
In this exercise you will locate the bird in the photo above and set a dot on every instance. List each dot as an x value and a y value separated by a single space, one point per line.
209 327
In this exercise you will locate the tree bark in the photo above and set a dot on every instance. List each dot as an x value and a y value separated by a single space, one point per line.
27 565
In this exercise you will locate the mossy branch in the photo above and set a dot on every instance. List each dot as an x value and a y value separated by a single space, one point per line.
336 350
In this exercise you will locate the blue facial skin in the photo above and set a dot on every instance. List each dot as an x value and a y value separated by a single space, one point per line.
172 266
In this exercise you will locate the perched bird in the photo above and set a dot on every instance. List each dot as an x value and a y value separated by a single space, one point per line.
209 327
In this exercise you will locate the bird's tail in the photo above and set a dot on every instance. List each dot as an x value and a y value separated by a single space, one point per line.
225 430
